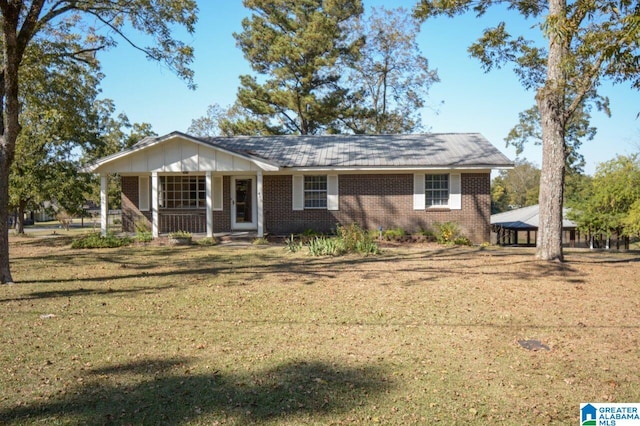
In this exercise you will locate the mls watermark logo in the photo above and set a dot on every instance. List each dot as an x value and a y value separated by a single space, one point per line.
597 414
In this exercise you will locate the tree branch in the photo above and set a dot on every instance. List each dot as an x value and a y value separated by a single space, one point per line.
121 34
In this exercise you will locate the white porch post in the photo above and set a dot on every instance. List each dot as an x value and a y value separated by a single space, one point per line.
154 205
260 205
209 185
104 204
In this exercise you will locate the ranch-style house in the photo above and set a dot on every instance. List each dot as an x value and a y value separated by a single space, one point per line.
288 184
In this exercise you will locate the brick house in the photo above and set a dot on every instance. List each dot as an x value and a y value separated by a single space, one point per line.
287 184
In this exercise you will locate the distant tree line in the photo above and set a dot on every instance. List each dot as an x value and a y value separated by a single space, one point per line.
606 204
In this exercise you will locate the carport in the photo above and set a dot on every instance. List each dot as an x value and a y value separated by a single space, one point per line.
520 227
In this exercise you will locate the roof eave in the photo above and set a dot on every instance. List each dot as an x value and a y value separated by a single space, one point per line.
393 168
263 164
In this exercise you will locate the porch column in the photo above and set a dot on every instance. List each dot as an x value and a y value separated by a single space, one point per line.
209 185
155 217
260 205
104 204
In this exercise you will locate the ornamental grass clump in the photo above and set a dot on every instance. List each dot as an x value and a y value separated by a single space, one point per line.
326 246
348 239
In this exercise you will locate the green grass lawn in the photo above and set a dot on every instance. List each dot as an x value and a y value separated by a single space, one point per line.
256 335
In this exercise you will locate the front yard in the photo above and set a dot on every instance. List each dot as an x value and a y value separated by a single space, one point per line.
241 335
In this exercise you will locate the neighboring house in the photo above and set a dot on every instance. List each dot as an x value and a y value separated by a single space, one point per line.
288 184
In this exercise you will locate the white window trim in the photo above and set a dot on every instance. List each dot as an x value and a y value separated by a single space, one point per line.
420 198
162 182
333 201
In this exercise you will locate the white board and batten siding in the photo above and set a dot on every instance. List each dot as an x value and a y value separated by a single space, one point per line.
455 192
177 156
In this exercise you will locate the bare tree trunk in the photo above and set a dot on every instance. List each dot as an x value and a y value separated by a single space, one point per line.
550 100
20 218
10 125
5 272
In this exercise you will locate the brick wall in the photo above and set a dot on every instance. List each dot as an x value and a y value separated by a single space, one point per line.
369 200
378 200
131 215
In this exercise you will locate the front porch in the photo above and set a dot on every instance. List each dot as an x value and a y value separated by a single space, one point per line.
194 202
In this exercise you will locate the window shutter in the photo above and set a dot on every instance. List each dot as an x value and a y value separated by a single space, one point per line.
216 182
455 193
298 192
332 192
143 193
418 191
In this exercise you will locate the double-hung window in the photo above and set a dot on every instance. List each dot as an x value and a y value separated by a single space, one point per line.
182 192
315 192
436 190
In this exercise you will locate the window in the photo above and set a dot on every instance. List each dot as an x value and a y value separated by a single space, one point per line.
182 192
315 192
437 190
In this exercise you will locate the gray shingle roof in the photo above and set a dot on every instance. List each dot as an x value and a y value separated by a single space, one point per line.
420 150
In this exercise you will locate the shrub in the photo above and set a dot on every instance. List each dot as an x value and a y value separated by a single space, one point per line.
367 247
350 235
65 219
447 232
394 234
260 242
180 234
207 241
96 240
427 233
462 241
143 237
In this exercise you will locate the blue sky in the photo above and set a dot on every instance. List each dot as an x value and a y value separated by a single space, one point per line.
466 99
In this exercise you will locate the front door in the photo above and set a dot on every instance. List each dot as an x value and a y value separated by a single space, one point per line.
243 203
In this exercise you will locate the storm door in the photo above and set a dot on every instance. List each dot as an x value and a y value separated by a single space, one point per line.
243 203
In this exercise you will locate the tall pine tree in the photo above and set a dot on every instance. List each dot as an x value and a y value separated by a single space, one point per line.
295 47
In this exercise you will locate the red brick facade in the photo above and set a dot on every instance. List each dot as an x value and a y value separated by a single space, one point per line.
371 200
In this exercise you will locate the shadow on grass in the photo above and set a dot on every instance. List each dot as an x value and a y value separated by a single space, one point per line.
44 241
294 390
247 266
68 293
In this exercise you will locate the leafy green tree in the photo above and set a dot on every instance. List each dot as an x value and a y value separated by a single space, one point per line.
609 204
209 124
295 47
578 130
61 26
587 41
57 104
631 222
576 186
515 188
114 132
390 79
